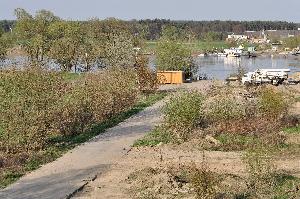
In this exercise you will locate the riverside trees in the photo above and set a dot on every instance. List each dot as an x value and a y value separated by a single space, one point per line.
32 33
5 43
172 54
45 37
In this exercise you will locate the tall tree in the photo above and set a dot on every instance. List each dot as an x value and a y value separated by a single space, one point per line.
32 32
66 42
172 55
119 50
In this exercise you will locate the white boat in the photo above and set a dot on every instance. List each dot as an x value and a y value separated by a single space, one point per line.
234 52
271 76
222 54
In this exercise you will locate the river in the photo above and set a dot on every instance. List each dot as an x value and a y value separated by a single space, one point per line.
221 67
218 68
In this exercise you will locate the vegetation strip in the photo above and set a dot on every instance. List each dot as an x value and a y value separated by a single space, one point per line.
59 145
256 122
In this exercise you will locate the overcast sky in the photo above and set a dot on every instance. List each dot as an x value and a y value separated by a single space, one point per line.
287 10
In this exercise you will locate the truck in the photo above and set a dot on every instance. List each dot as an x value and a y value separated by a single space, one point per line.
263 76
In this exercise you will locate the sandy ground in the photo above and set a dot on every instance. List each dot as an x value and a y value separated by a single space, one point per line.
113 183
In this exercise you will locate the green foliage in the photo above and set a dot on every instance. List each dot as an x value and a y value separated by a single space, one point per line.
119 50
172 55
237 142
28 100
293 130
286 186
66 40
272 104
225 108
171 33
292 42
204 182
95 98
182 113
213 36
71 44
9 178
261 181
32 99
57 145
32 32
157 136
5 44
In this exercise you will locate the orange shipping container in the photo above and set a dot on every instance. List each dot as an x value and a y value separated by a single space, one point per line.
170 77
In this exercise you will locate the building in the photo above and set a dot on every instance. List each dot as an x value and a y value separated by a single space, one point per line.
272 34
234 37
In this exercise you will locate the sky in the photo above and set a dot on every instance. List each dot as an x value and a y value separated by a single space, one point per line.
283 10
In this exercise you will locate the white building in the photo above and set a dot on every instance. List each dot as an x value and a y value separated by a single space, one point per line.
237 37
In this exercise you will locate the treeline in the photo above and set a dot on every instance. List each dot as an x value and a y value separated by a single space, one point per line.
6 25
46 38
152 29
199 28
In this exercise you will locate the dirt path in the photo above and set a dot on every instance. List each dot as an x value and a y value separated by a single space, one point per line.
62 177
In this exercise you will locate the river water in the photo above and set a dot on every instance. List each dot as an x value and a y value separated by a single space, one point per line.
222 67
218 68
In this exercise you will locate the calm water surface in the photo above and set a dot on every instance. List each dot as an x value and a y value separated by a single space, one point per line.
220 68
213 67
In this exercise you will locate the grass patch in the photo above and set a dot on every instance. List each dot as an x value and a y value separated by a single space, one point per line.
10 177
68 76
232 142
292 130
204 45
286 186
236 142
59 145
155 137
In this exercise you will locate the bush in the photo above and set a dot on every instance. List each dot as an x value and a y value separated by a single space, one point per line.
147 79
28 101
31 101
225 108
261 179
271 103
183 113
248 126
204 182
95 98
155 137
171 55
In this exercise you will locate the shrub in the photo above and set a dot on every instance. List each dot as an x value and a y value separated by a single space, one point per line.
224 108
31 101
261 181
147 79
271 103
248 126
183 113
27 108
204 182
155 137
95 98
172 55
